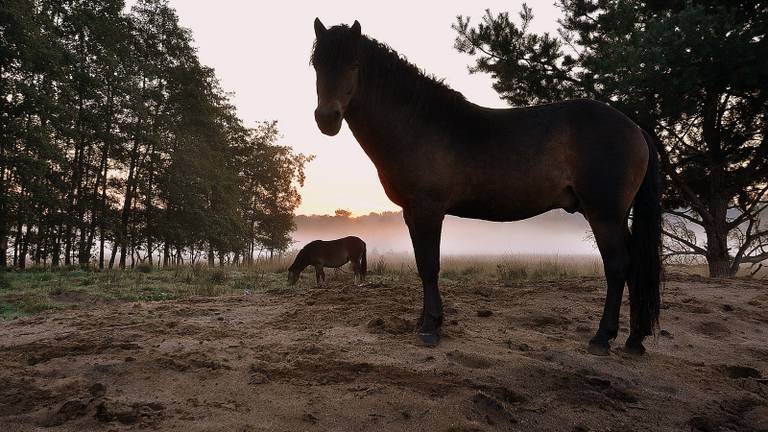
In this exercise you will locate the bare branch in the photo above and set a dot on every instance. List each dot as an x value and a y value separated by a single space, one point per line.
751 209
691 245
755 259
685 216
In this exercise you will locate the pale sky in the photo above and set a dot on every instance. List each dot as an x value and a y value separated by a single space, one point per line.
260 51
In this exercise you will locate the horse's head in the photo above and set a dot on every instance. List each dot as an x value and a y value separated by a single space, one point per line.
293 277
336 60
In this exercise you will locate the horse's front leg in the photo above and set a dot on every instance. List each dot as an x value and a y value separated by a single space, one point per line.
425 228
319 275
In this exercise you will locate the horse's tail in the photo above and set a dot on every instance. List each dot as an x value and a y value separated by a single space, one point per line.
645 249
363 263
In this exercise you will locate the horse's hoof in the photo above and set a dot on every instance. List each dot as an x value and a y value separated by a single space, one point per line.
598 348
634 348
429 339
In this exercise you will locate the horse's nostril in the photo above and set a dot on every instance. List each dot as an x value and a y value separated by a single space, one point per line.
327 115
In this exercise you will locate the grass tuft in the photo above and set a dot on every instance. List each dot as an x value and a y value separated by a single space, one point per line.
144 267
5 281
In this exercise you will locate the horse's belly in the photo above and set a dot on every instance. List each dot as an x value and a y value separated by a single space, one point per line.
506 207
494 212
335 262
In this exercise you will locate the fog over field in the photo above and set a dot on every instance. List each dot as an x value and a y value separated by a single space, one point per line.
556 232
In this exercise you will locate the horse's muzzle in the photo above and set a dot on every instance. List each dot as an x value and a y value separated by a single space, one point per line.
328 120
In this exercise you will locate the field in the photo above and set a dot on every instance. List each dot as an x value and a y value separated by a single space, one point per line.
199 349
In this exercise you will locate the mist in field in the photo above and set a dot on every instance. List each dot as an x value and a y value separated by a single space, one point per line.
556 232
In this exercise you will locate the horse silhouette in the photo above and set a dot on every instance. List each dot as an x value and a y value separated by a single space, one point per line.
333 253
438 154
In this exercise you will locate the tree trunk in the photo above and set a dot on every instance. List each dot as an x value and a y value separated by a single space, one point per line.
67 245
42 234
16 248
112 255
166 254
24 248
101 182
3 208
56 247
84 249
718 257
3 249
101 248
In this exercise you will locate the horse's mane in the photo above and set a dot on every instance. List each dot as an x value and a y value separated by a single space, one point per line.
386 72
386 66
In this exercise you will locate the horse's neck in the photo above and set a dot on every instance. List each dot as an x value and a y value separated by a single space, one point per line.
381 123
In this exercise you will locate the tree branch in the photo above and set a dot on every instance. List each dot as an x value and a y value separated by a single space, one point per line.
691 245
750 210
685 216
756 258
688 193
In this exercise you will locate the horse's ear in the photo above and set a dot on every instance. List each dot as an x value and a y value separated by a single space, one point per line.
319 27
355 28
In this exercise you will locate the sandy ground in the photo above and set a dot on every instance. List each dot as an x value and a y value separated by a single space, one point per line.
345 358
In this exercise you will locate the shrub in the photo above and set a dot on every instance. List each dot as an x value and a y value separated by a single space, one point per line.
218 275
5 281
144 267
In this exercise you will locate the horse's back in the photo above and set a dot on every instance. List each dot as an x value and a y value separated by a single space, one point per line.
547 156
335 253
354 240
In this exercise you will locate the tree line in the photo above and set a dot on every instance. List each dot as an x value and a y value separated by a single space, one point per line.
117 146
692 73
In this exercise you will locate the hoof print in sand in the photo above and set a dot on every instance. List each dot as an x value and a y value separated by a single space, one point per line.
471 361
737 372
392 325
489 410
108 411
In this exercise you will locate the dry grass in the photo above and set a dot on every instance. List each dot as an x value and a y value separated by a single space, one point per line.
503 268
702 270
36 290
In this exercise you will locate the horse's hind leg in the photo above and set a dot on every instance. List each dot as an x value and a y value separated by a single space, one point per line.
612 239
360 268
355 270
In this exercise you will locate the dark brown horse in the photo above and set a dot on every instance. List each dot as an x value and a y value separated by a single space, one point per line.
334 254
437 154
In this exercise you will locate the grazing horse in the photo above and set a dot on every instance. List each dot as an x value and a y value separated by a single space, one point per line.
438 154
333 253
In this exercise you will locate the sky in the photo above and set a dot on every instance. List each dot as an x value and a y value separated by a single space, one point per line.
260 51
